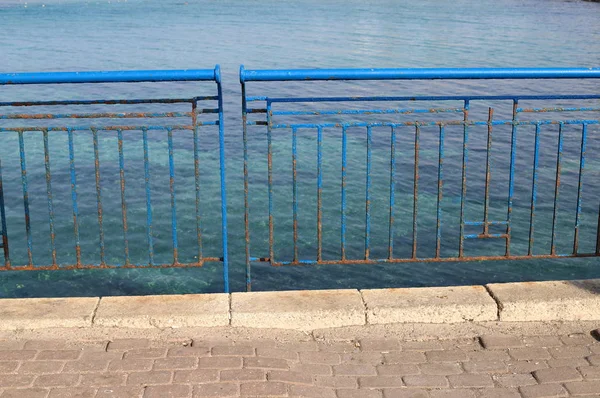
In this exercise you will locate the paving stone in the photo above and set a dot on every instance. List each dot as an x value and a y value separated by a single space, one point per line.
26 393
379 345
86 366
526 366
446 356
327 358
120 392
590 372
18 355
501 342
243 374
471 380
460 393
188 351
6 345
175 363
270 352
557 375
149 378
266 388
426 345
220 362
529 353
41 367
485 367
405 357
370 357
398 370
336 381
320 370
425 381
311 392
289 377
569 352
56 380
488 355
216 390
442 369
404 393
127 344
594 360
543 391
542 341
380 382
354 370
578 339
583 388
130 365
499 393
341 347
73 392
171 391
567 362
515 380
346 393
57 355
102 379
8 366
233 351
146 353
265 363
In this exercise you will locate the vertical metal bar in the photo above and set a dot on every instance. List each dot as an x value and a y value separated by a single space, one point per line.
486 201
536 161
74 197
173 199
294 194
197 179
148 198
25 198
319 193
579 188
123 202
368 194
392 192
440 185
511 178
246 193
98 195
223 182
463 194
49 193
3 224
557 187
343 200
598 234
270 180
415 191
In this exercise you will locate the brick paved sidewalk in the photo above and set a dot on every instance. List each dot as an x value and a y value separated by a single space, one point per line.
492 367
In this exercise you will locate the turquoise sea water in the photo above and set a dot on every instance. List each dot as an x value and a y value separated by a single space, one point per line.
61 35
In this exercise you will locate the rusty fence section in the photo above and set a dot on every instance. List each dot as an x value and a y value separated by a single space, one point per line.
75 171
442 177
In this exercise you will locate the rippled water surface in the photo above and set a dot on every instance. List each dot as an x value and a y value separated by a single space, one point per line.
64 35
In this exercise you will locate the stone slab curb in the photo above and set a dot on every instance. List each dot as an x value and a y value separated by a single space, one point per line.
556 301
300 310
548 301
170 311
430 305
42 313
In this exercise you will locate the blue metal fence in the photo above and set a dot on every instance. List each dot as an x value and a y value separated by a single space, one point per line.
188 123
432 145
281 115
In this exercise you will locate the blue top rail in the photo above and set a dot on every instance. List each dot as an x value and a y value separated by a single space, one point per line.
417 74
131 76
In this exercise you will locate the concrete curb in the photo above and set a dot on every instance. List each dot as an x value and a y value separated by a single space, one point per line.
553 301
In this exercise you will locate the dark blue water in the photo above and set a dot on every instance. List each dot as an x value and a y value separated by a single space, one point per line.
79 35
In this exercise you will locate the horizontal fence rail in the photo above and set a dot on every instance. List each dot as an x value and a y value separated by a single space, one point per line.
413 135
89 128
